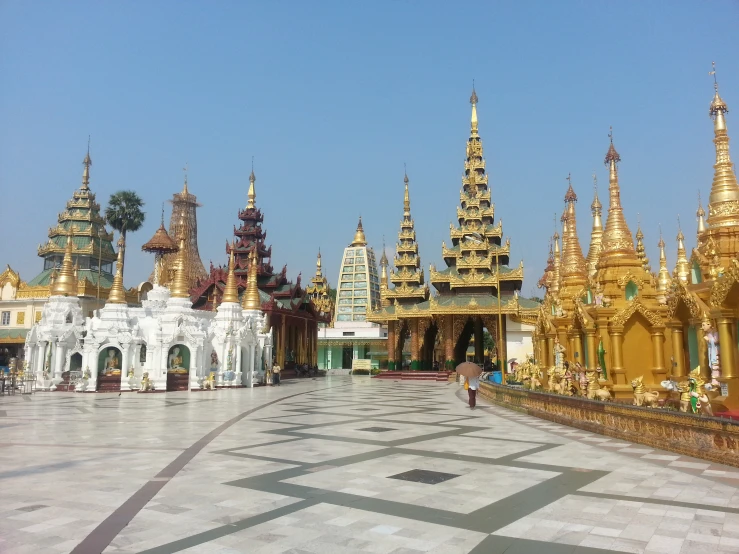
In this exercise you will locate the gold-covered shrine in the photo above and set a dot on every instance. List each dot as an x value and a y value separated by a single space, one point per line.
611 313
476 290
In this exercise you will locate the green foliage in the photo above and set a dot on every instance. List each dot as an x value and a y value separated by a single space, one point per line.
488 341
124 212
374 371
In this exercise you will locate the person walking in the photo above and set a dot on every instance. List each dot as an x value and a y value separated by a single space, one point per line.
473 383
276 375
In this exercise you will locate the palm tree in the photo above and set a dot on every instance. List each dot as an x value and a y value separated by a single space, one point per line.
124 212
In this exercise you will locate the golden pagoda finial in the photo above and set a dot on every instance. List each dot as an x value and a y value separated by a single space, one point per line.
359 238
617 242
185 192
64 282
406 197
554 287
596 234
723 202
117 294
700 215
682 266
87 162
251 294
663 279
179 283
641 252
473 101
319 264
251 195
231 292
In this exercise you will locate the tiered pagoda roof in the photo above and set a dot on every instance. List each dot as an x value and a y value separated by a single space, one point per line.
407 277
81 221
318 290
275 291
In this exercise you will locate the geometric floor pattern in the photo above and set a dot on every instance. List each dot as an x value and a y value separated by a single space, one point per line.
341 465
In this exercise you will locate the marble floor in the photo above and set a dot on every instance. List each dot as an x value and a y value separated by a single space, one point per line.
340 465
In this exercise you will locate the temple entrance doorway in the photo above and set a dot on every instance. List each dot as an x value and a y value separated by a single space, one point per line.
109 369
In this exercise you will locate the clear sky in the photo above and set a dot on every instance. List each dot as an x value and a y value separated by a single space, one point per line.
332 97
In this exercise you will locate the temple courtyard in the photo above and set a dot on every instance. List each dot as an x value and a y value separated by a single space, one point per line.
342 464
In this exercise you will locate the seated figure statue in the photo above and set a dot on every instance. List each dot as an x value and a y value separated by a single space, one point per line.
175 361
112 365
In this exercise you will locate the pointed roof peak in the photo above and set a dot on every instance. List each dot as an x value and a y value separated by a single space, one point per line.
185 192
359 237
570 196
717 104
87 162
596 201
473 97
612 155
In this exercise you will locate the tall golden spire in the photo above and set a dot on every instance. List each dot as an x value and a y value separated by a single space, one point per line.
617 242
574 269
596 235
251 300
251 195
319 265
473 119
185 192
663 279
64 282
700 215
87 162
554 287
384 283
723 202
359 238
231 292
179 283
117 295
682 267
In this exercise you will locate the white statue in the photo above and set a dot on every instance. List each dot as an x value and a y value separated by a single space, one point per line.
711 337
175 360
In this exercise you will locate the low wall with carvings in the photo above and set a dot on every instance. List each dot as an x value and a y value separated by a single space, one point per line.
714 439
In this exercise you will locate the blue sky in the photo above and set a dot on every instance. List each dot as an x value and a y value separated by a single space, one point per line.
331 98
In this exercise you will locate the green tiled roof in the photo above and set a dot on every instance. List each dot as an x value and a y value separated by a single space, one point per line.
42 279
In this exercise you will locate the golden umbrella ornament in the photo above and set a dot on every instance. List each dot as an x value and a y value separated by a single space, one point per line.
469 369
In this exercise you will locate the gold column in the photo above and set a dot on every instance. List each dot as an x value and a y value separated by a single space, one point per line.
727 346
658 352
550 351
578 349
678 354
617 359
590 345
391 345
702 351
415 362
449 340
479 342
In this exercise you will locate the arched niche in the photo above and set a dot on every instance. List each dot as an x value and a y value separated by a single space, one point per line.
178 359
110 361
631 291
696 276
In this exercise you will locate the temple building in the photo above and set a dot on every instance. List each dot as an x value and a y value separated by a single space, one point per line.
477 290
163 345
93 258
289 309
629 322
183 223
352 337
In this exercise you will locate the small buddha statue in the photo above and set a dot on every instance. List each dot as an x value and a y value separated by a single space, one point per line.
112 365
175 361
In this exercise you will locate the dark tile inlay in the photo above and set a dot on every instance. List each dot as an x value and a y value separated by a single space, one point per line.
32 508
377 429
365 409
425 476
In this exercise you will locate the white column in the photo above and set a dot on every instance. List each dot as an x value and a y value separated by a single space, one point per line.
58 361
250 368
39 360
125 364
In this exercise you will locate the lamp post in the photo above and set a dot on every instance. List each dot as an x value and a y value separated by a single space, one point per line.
101 232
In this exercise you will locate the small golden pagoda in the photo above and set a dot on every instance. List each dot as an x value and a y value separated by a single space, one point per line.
318 290
611 319
477 290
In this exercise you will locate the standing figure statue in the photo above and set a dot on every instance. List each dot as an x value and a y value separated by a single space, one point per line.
711 337
559 355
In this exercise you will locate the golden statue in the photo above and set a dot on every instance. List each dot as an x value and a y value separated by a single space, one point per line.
210 382
175 361
642 397
535 383
112 365
594 390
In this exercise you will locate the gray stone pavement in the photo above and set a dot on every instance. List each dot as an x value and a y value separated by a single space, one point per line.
340 465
